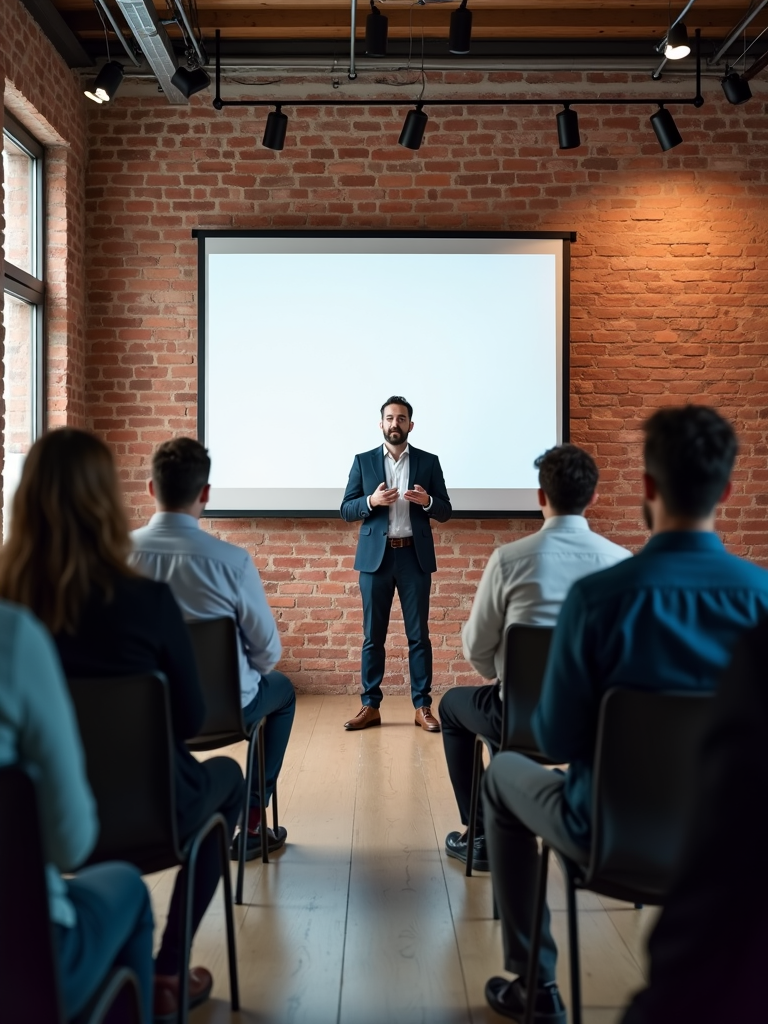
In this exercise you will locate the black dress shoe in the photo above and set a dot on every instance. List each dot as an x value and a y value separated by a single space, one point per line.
253 843
508 999
456 846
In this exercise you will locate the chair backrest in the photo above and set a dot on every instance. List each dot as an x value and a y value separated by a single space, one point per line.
216 652
126 732
646 762
29 991
526 649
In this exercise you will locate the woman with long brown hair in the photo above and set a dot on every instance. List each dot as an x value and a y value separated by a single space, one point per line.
65 559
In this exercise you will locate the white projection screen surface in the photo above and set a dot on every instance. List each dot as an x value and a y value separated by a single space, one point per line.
302 336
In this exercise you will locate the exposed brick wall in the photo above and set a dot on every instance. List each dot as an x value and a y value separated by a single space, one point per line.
668 300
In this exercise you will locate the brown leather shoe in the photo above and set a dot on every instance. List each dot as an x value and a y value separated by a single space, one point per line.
426 720
364 719
166 998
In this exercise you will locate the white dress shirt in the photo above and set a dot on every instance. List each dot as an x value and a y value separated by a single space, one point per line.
211 579
526 582
396 475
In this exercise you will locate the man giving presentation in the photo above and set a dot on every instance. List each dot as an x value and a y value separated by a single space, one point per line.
395 489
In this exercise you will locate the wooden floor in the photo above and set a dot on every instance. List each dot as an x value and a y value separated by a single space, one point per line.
362 919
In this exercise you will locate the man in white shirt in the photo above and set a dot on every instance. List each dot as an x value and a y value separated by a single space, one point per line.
212 579
524 582
395 490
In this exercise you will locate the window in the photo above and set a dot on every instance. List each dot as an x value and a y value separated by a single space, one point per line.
23 301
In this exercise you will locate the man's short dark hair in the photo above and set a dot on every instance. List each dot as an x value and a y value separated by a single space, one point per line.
568 476
689 452
398 400
180 470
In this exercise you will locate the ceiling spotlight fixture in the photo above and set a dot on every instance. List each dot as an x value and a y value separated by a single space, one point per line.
376 25
275 129
106 84
664 125
413 128
568 128
188 82
460 33
736 88
677 42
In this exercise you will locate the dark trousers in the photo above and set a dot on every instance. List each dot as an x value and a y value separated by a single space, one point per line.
113 929
225 795
399 570
465 712
523 800
277 700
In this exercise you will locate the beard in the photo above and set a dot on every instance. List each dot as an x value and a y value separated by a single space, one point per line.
395 435
647 517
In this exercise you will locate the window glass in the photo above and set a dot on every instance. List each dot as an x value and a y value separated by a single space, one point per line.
19 189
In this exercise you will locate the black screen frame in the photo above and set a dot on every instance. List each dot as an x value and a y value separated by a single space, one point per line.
201 234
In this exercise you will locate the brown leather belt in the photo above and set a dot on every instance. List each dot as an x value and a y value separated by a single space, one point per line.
400 542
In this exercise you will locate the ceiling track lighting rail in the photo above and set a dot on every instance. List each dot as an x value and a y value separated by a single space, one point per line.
416 119
747 20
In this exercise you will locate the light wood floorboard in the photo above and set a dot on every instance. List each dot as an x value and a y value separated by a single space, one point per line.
362 919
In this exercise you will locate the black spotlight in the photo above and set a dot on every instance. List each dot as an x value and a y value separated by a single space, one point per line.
107 83
568 129
275 129
736 88
677 42
189 82
413 128
460 33
664 125
376 25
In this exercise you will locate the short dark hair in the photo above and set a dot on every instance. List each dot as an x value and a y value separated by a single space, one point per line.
689 452
180 470
398 400
568 476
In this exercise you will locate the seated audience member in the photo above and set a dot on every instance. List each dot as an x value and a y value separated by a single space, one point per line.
667 619
525 582
66 560
708 950
102 916
212 579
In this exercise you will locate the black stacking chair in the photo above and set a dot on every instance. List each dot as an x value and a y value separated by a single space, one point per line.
526 649
216 652
644 781
125 726
29 982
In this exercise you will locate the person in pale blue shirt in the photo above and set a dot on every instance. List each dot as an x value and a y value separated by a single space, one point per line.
101 916
212 579
524 583
667 619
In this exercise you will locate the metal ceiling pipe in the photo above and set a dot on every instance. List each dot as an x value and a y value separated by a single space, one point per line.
151 36
352 73
736 32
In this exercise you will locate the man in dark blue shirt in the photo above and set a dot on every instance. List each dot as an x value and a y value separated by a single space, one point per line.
666 619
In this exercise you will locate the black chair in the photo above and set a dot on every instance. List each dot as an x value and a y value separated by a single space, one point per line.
29 982
126 732
216 652
644 781
526 649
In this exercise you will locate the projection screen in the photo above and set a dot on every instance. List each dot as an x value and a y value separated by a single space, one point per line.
302 336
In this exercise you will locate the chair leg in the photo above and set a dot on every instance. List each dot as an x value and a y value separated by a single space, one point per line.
244 824
274 809
234 991
262 795
573 944
532 980
477 774
186 933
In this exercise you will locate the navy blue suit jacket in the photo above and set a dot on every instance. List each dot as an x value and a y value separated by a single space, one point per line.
365 476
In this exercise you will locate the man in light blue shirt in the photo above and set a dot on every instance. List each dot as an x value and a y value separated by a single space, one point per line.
524 583
212 579
667 619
